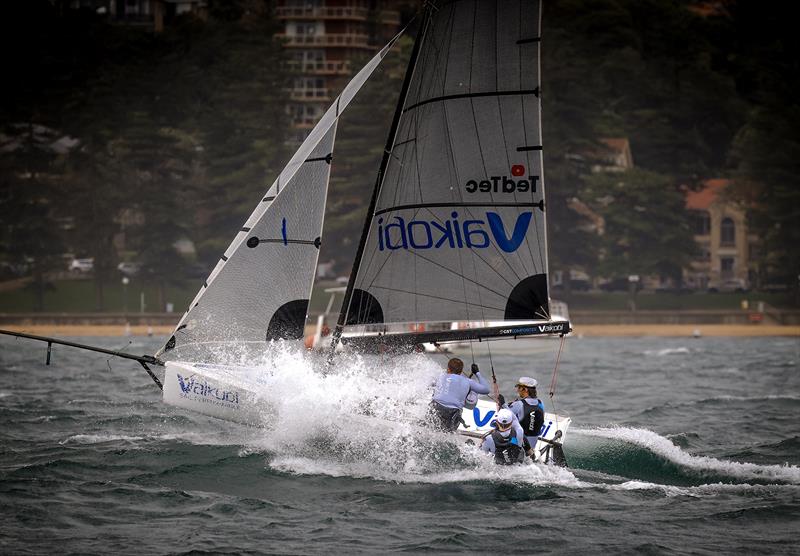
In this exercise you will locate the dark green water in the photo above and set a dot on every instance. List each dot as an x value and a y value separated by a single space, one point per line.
678 446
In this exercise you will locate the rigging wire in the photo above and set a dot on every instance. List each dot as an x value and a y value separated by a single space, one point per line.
554 380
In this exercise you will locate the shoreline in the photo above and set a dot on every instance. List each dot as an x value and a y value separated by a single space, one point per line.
586 330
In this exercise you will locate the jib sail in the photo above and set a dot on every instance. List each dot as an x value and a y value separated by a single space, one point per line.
260 287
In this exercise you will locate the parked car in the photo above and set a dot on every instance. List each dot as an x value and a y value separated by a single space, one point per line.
726 286
81 266
620 284
129 268
13 270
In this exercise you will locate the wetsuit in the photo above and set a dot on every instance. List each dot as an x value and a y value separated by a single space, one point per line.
449 395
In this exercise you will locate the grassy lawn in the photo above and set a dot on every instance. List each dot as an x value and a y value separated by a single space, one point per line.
673 301
78 296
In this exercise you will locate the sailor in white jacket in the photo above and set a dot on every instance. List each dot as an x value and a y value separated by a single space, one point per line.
450 393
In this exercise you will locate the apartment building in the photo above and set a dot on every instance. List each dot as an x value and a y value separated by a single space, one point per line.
151 14
323 37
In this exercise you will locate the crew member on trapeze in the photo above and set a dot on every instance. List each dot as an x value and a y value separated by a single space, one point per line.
506 440
529 410
450 394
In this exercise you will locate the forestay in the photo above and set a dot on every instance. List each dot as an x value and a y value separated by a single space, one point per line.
458 230
260 287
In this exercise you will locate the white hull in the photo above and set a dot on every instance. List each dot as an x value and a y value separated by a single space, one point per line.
221 392
211 390
479 419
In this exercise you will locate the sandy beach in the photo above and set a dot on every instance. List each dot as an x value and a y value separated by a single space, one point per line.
667 330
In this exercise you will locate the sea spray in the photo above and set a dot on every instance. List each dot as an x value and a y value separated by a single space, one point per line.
362 417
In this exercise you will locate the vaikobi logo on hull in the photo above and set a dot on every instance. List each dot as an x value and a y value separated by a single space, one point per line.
203 391
540 329
399 233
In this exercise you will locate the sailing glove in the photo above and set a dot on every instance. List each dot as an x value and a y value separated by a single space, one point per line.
501 399
475 369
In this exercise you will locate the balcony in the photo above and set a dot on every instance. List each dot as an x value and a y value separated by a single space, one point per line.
304 123
390 17
327 40
309 94
321 67
319 12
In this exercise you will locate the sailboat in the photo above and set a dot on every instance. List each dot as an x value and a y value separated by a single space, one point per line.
455 229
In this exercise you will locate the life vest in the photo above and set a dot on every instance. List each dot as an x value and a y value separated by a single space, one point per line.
506 449
532 418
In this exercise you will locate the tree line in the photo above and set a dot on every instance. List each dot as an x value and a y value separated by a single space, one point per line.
702 90
110 128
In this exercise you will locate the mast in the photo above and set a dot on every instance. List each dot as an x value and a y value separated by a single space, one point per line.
343 312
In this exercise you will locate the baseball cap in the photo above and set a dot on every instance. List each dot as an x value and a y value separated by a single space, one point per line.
527 382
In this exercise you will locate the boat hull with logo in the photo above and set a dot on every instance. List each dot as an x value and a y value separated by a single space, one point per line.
215 390
225 392
478 423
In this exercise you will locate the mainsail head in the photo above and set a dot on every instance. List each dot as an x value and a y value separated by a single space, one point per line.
260 287
458 227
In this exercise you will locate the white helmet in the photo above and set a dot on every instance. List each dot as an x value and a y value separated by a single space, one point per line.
504 418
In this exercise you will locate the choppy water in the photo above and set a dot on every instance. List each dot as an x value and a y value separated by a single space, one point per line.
677 446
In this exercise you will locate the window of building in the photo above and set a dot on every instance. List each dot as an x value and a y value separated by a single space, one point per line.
727 235
306 28
701 222
726 267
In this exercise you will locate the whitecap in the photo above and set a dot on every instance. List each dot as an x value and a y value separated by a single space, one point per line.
667 351
99 438
710 489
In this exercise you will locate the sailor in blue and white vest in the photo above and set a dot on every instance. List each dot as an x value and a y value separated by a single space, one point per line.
450 393
506 440
528 409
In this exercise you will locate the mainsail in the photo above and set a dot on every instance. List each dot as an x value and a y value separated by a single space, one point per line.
457 231
260 287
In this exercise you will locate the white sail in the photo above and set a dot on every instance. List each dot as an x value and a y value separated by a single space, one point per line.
458 230
260 287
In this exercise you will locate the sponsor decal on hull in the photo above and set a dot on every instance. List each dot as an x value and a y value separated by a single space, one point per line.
483 420
205 392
